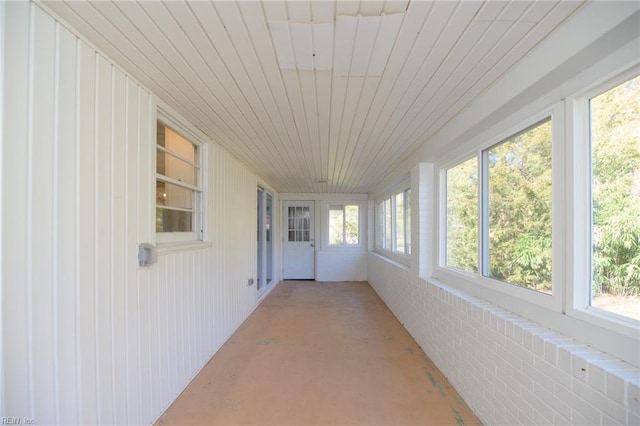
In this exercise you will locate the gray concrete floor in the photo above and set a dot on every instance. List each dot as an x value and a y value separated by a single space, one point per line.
316 353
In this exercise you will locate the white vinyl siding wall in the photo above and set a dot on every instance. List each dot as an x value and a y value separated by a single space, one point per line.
88 337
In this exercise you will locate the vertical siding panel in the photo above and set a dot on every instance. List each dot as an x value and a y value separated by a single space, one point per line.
132 316
144 209
185 278
119 112
201 296
208 325
2 117
65 228
154 360
189 308
197 312
85 247
168 380
175 273
177 281
172 352
104 261
144 367
110 342
15 321
41 235
164 332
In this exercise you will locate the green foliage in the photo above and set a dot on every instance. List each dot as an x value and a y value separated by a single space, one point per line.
351 225
520 209
343 224
462 216
615 133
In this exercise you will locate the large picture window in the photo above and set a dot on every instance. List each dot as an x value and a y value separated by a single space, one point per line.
550 214
511 200
614 129
462 216
518 190
178 186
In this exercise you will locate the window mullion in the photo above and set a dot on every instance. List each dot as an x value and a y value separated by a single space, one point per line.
394 236
344 224
407 230
177 182
178 156
483 208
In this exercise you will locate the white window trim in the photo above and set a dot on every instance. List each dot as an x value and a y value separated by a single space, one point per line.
464 278
579 175
393 254
174 121
327 234
567 312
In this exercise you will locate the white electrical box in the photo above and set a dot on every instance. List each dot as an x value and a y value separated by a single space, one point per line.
147 255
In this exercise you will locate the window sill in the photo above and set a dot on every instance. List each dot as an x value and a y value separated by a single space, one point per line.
401 259
601 335
344 247
177 247
395 263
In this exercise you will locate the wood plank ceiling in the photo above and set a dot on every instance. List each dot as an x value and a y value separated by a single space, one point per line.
304 90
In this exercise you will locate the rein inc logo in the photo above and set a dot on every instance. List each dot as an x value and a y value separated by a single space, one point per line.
17 421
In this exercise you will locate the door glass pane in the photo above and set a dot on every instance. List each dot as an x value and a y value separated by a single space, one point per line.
292 223
260 276
269 237
615 186
299 223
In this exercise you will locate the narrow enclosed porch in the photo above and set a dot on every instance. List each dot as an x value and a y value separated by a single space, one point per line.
320 353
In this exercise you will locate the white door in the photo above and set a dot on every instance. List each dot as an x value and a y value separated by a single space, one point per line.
299 247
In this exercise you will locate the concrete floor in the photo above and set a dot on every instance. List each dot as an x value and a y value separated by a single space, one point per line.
317 354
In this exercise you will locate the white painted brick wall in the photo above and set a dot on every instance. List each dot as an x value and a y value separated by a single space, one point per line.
341 265
507 368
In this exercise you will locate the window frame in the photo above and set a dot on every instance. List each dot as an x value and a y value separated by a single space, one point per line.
579 168
568 308
330 206
466 279
390 198
173 121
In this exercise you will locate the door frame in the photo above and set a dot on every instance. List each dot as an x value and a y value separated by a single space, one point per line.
265 241
312 233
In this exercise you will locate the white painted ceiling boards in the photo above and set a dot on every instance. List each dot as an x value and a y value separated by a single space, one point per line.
306 90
